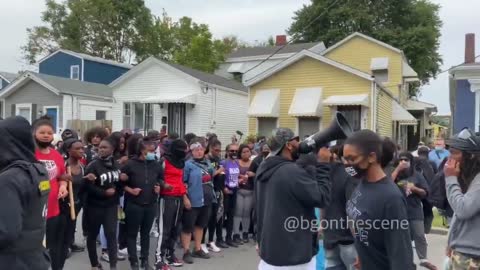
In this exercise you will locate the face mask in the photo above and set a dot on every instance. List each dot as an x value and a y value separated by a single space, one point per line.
43 144
232 155
108 161
355 171
295 154
439 148
150 156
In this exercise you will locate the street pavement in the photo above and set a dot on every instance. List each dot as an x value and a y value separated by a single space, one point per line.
245 257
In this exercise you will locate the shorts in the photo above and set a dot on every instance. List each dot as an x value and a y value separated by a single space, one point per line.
195 217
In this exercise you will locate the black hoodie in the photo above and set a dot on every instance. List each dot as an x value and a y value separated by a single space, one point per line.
108 176
145 175
25 186
286 192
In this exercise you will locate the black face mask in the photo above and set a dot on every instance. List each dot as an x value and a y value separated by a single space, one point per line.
43 144
107 161
232 155
355 171
295 154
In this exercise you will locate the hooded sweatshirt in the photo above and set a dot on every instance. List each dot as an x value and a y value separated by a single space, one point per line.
284 192
143 174
108 175
464 231
25 186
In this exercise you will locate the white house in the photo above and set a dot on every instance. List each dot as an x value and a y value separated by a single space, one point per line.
33 95
243 64
164 96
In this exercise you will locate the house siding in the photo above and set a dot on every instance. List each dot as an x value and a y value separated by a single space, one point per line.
310 73
464 113
59 65
102 73
230 115
3 83
34 93
384 115
358 53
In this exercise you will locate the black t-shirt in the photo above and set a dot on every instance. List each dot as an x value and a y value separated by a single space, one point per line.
382 236
414 201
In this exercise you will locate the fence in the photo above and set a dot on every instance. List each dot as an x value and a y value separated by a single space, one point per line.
81 126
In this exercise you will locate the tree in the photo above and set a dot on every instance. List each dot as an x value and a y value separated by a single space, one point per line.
410 25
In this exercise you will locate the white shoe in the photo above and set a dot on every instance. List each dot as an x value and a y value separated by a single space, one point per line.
123 252
213 247
105 257
139 248
204 248
154 234
121 257
413 244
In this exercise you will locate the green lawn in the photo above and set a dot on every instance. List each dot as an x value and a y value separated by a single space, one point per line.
437 219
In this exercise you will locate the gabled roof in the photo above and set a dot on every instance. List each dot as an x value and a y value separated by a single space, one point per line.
266 51
7 76
306 53
88 57
60 85
190 72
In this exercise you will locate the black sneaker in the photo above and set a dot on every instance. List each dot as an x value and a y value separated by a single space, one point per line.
230 243
134 266
201 254
173 261
77 248
160 265
221 244
245 238
237 240
144 265
187 258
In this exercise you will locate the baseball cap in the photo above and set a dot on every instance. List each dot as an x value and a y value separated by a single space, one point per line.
465 140
279 138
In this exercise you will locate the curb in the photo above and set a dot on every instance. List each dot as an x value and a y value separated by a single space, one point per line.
440 231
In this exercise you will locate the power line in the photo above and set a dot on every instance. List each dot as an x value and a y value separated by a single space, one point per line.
295 37
443 71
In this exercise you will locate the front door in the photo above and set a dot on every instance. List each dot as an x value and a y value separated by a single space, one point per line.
53 114
176 118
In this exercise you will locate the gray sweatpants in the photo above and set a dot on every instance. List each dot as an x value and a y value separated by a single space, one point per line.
417 234
243 209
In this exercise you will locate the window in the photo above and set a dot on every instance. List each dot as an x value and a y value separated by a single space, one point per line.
381 76
25 111
237 76
266 125
101 115
127 115
75 72
308 126
353 114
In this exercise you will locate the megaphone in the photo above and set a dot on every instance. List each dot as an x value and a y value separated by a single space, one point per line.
338 129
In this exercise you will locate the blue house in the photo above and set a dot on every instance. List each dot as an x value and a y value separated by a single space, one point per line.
6 78
83 67
465 90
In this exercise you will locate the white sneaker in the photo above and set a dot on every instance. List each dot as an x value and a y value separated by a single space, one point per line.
123 252
105 257
139 248
121 257
204 248
213 247
413 244
154 234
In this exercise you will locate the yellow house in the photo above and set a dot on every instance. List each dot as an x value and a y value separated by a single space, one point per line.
361 77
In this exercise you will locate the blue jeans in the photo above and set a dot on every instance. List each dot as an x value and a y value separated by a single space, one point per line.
342 257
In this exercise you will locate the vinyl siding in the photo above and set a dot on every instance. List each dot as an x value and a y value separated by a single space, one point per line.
310 73
230 115
464 113
87 108
59 65
34 93
102 73
384 115
358 53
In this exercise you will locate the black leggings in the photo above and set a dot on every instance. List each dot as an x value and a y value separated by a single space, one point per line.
56 243
139 218
229 206
214 226
170 218
96 217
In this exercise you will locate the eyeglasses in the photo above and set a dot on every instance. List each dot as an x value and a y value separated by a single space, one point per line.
466 134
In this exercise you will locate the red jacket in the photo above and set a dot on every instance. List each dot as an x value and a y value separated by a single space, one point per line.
174 177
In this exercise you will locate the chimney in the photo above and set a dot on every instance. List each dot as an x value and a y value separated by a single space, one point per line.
470 48
281 40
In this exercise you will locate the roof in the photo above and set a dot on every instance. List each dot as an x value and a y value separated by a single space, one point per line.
342 100
400 114
192 73
257 51
60 85
306 53
7 76
89 58
416 105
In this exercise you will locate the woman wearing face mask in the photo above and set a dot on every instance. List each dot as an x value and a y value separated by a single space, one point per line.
93 137
75 154
56 220
244 203
462 172
232 172
103 191
142 177
197 176
376 200
415 188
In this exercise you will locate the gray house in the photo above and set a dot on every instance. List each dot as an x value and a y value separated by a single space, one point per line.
6 78
33 95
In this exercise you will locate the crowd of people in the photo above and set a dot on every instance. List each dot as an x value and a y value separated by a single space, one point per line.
130 187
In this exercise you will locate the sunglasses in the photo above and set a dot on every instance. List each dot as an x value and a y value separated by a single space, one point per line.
233 151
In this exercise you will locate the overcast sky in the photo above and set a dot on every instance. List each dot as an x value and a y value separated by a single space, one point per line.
251 21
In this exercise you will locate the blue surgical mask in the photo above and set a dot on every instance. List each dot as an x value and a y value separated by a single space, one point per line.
150 156
439 148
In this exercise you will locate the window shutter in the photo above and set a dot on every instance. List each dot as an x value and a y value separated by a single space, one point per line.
13 112
34 112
